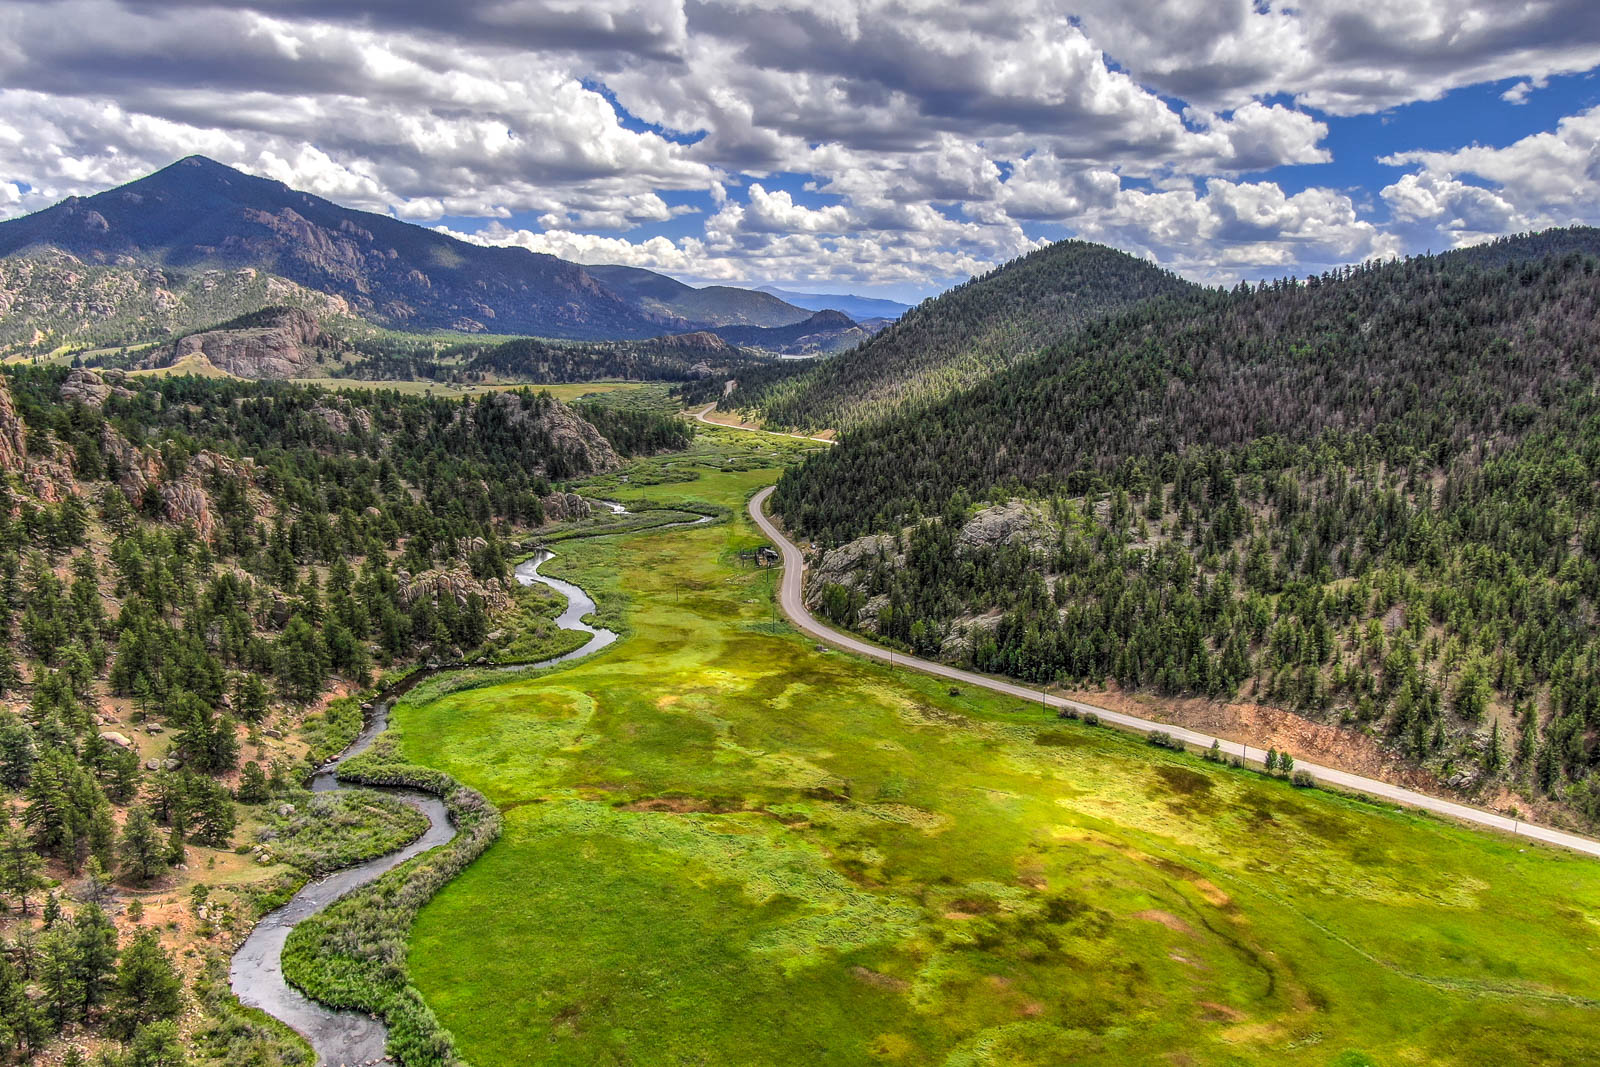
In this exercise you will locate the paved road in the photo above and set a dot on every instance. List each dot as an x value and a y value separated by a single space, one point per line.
703 412
793 604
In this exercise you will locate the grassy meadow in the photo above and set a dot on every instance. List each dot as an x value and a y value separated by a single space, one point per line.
724 846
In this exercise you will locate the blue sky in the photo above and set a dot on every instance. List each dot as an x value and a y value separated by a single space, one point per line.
887 147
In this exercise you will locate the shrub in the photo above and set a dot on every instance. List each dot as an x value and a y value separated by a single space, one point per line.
1067 713
1162 739
1303 780
1091 719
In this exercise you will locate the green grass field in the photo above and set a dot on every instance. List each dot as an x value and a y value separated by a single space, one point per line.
725 847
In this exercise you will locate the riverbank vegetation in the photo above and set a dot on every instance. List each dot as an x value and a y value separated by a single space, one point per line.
322 832
352 954
721 843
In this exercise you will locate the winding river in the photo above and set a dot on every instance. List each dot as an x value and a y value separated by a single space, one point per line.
344 1038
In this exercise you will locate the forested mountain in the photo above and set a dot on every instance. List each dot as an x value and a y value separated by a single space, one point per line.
713 305
49 299
826 331
1369 495
191 572
958 337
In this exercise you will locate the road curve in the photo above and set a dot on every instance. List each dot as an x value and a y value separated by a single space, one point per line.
703 412
791 599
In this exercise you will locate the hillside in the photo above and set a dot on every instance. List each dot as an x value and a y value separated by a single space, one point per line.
958 337
1368 497
821 333
713 305
49 298
200 214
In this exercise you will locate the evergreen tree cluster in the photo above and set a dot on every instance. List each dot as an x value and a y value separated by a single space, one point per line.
1370 495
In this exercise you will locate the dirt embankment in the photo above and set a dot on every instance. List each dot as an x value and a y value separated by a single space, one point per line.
1345 748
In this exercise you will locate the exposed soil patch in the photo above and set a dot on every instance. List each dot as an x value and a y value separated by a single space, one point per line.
881 981
1165 918
1262 726
1221 1013
682 805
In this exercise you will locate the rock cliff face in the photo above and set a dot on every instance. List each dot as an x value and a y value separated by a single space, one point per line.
1018 522
50 478
565 507
847 564
131 468
456 583
187 498
13 447
344 418
86 387
285 347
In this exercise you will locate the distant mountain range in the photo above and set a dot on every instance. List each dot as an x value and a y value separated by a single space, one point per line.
859 308
151 256
715 305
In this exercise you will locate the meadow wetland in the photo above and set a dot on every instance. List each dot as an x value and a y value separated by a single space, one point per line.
725 845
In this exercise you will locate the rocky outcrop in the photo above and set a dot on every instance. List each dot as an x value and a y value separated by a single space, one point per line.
1018 522
964 634
211 464
847 564
12 439
187 498
455 582
185 501
582 445
50 479
285 346
86 387
565 507
699 341
344 420
130 467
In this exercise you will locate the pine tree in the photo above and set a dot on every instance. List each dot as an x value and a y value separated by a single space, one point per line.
157 1045
60 976
176 853
1494 753
20 867
97 954
148 987
143 856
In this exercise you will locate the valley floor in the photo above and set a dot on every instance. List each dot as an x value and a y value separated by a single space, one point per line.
724 846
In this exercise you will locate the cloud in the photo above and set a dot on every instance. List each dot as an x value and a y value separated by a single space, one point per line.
1343 57
870 141
1544 179
1519 93
1235 229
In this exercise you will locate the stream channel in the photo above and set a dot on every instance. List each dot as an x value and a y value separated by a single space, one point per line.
347 1038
